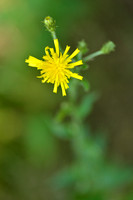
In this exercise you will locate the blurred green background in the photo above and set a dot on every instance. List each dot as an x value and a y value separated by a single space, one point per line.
29 154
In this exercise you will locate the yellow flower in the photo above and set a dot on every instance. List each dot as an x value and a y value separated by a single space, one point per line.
55 67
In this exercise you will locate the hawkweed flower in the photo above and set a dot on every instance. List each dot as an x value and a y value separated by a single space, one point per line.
55 66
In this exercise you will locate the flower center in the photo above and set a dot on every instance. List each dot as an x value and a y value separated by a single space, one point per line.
58 65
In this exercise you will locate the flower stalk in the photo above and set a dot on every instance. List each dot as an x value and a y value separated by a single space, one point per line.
106 49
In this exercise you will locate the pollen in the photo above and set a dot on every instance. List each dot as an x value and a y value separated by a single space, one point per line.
55 67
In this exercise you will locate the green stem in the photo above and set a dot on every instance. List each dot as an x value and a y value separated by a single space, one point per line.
53 33
92 56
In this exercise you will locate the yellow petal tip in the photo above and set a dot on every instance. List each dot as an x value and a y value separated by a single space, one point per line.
26 60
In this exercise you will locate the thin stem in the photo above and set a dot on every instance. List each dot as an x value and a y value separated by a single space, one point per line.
91 56
53 33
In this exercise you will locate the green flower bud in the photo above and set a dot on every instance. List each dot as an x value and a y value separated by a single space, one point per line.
83 47
49 23
108 47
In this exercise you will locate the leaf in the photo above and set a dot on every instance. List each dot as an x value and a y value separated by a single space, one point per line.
111 176
86 105
61 130
86 85
65 178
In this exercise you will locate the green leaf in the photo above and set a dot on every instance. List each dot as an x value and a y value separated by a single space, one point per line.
65 178
86 105
111 176
86 85
61 130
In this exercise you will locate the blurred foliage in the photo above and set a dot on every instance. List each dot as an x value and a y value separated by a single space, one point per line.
34 146
91 174
38 141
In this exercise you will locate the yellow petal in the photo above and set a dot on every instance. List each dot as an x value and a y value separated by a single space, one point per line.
75 75
72 65
40 76
63 89
45 58
45 79
46 51
66 85
34 62
52 51
66 50
55 87
74 53
56 43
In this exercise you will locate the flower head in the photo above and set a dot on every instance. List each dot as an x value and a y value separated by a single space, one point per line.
50 23
55 66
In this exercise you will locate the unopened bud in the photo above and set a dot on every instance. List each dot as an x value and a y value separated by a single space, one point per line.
83 47
108 47
49 23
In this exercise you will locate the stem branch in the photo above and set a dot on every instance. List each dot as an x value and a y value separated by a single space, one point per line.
92 56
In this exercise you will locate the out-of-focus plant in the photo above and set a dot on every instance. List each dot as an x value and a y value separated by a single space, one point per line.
90 175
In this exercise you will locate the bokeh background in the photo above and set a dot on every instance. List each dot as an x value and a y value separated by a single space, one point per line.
28 153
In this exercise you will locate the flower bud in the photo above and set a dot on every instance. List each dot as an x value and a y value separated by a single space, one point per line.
108 47
83 47
49 23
